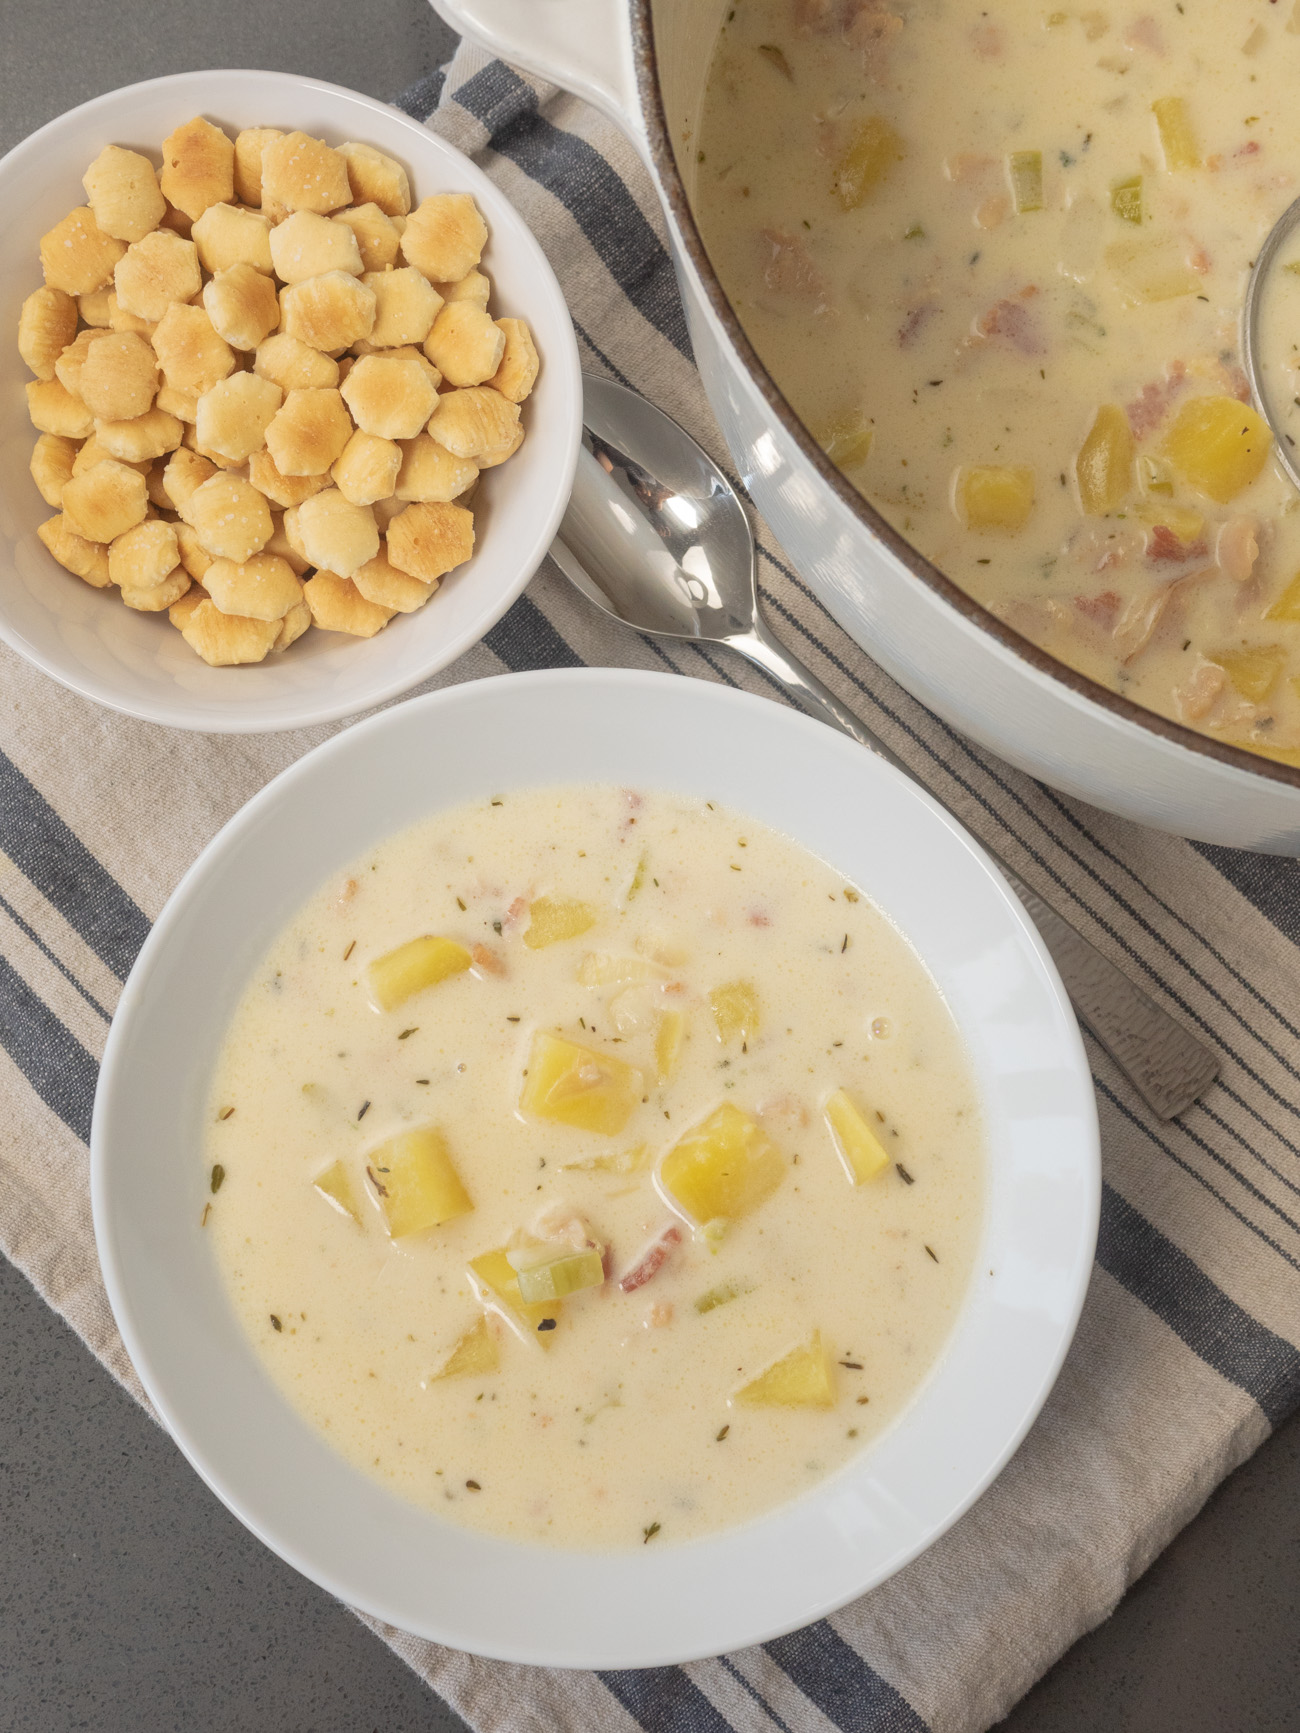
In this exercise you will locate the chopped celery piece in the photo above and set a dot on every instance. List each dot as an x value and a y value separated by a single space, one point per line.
1287 606
600 969
861 1151
914 232
1252 671
1025 172
846 440
638 879
477 1351
1104 466
725 1166
994 496
803 1378
557 1276
722 1295
335 1185
499 1286
735 1010
873 150
1177 139
412 967
1155 475
1126 199
1219 445
551 919
417 1183
580 1087
668 1044
625 1161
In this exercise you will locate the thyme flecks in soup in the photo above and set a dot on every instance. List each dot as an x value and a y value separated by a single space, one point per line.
996 260
595 1167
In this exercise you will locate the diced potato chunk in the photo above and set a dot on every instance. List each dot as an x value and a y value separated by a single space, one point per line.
578 1086
1104 466
1251 671
558 1274
736 1010
499 1287
477 1351
873 150
1286 607
1177 136
552 919
335 1185
726 1166
398 975
668 1044
861 1151
803 1378
417 1182
994 496
1219 445
1154 268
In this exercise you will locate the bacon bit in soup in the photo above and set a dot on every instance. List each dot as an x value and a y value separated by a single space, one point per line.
1165 545
1013 321
653 1259
486 959
1148 408
1103 609
1196 696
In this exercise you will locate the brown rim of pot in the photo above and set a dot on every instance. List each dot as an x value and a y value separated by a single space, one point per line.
665 162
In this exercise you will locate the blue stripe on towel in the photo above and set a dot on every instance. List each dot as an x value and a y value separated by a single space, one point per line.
1166 1280
1272 885
589 189
49 1056
832 1674
525 638
664 1700
65 872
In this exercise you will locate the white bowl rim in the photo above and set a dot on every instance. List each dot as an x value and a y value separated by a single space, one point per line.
564 366
235 835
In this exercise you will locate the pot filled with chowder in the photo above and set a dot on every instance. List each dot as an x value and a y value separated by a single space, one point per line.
964 284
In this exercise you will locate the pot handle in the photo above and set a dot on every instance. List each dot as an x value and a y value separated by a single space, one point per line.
584 46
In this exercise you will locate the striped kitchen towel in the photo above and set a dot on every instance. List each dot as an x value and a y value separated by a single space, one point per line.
1186 1354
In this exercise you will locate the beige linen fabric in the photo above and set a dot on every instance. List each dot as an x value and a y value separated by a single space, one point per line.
1187 1349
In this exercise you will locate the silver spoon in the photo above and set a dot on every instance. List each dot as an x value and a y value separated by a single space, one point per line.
656 536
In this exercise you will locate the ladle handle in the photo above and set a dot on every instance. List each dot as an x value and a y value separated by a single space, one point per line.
1167 1066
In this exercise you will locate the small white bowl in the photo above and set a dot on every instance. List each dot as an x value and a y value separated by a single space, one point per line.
138 663
527 1603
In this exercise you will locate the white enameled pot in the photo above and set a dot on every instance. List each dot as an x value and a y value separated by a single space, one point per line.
643 63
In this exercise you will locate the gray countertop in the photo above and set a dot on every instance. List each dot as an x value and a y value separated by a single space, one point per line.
129 1597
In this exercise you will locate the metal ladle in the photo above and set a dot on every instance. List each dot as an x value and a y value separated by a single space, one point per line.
1284 448
656 536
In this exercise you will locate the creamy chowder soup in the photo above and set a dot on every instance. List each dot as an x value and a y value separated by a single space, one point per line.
595 1167
995 255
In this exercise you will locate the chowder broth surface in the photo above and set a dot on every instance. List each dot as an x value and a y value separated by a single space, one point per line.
959 235
623 1416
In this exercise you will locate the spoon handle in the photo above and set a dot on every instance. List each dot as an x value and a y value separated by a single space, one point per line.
1167 1066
